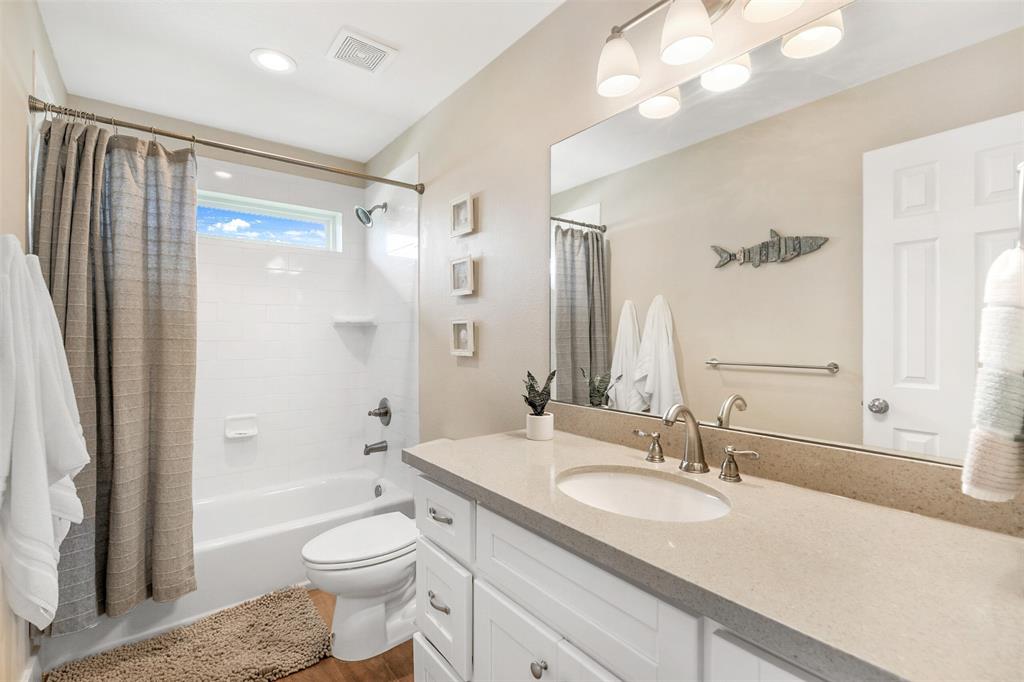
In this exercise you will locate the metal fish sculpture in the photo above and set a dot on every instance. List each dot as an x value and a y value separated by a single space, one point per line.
778 249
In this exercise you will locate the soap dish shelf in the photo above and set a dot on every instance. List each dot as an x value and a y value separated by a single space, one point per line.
355 321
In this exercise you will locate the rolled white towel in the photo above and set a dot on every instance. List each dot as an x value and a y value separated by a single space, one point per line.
999 402
1000 342
1004 283
994 468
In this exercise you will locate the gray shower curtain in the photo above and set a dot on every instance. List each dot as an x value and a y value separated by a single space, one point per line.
114 229
581 311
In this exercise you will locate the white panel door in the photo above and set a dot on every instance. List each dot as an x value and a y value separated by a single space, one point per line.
508 643
937 211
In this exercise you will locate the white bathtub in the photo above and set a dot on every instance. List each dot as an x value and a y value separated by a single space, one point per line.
246 544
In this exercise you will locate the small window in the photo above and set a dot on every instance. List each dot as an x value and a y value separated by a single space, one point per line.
256 220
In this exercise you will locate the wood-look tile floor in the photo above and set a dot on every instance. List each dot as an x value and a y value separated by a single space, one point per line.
391 666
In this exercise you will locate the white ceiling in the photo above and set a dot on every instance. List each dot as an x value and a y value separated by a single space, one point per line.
190 60
881 37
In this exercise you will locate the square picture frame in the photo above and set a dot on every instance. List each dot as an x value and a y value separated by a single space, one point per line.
461 279
462 338
461 216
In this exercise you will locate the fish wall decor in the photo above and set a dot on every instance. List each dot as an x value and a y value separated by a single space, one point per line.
777 249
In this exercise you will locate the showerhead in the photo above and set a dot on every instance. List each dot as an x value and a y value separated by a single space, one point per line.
366 216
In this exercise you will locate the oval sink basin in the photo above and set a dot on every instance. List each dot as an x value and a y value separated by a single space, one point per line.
653 495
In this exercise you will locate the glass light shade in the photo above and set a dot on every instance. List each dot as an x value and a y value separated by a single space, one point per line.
815 38
763 11
728 76
272 60
686 35
661 105
618 71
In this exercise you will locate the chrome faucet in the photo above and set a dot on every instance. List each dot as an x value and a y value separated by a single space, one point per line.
379 446
693 452
735 400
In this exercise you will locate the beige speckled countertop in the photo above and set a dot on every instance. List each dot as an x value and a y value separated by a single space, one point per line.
845 589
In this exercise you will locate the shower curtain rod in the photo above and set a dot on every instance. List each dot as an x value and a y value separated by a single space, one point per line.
592 226
37 105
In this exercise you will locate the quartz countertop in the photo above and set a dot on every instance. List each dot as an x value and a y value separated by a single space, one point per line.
845 589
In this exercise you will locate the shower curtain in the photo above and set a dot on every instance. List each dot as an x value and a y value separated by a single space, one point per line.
581 311
114 229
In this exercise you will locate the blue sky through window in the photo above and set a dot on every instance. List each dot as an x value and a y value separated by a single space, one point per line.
220 222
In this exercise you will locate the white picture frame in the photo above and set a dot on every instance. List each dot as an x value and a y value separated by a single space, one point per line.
462 216
462 338
461 280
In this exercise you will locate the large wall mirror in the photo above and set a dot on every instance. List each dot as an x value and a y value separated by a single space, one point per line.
835 212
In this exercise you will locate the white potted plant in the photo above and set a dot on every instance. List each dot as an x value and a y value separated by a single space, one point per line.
540 425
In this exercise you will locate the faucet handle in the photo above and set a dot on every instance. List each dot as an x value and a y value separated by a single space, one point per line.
654 452
731 470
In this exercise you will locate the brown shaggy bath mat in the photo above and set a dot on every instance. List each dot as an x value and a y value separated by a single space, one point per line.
263 639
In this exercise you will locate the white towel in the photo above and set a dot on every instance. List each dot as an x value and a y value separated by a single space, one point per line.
657 379
994 465
46 447
623 394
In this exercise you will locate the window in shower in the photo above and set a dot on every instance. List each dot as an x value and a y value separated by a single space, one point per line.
256 220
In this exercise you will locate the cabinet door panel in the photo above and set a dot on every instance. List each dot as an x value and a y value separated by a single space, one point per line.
428 664
730 659
444 605
510 644
576 666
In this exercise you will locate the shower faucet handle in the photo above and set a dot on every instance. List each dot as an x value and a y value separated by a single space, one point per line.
382 412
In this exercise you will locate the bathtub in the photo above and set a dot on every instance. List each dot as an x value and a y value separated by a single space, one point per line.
246 544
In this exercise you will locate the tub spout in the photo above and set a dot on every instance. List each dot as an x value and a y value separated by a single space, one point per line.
379 446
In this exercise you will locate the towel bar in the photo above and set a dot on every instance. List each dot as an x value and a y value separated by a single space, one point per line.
715 363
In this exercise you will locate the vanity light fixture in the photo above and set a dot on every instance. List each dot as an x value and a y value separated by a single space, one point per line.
272 60
223 175
618 71
815 38
763 11
662 105
686 36
728 76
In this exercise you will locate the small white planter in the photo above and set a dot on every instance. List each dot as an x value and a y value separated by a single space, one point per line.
540 428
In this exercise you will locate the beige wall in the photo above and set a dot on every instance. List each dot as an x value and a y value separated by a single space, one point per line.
492 137
22 38
800 173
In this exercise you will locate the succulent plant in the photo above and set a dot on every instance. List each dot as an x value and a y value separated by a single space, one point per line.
599 385
537 398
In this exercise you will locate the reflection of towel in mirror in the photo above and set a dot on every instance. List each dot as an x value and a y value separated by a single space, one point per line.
994 466
656 378
623 394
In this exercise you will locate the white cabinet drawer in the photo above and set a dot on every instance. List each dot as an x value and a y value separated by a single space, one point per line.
576 666
628 631
444 605
510 643
446 517
727 658
428 665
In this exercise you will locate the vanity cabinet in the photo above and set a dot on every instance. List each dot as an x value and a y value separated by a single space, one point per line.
495 601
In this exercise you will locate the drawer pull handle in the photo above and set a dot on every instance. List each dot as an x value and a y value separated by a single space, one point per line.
440 518
446 610
537 669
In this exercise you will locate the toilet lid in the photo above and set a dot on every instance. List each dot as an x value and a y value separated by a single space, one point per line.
361 540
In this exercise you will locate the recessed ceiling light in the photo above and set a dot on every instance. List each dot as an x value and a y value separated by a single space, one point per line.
662 105
815 38
272 60
728 76
223 175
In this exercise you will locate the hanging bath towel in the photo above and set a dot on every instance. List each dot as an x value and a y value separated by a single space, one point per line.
994 466
623 394
657 380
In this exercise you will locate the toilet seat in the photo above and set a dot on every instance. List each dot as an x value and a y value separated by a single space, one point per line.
364 542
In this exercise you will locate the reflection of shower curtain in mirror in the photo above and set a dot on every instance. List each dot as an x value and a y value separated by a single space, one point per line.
581 311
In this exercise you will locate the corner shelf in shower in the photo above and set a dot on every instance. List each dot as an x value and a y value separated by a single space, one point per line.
355 321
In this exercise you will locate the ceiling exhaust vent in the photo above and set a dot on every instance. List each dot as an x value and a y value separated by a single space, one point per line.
359 50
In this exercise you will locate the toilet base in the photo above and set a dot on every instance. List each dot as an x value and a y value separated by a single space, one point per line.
364 628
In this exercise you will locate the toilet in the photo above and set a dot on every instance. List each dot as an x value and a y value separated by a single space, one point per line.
370 566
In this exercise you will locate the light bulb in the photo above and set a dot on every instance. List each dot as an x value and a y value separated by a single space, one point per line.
662 105
815 38
763 11
618 71
272 60
686 35
728 76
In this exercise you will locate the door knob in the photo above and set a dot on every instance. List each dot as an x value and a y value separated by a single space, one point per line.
878 406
